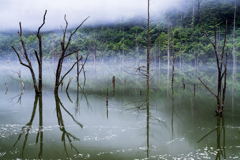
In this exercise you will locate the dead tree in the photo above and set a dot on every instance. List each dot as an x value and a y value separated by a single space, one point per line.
82 68
63 55
93 47
221 88
234 52
19 76
168 51
24 56
148 46
173 59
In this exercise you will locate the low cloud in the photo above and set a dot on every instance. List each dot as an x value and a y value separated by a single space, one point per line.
30 12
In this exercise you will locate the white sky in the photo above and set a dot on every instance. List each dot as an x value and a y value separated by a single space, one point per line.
30 12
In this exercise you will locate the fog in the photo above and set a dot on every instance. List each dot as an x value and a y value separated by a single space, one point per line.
30 13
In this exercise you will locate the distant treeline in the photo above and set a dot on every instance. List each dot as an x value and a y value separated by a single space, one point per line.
126 39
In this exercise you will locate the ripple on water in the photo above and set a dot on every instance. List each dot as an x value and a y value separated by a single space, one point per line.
2 154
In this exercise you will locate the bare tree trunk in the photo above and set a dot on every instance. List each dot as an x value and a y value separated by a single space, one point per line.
221 90
69 83
193 14
234 53
173 59
77 69
38 89
159 53
137 50
64 49
233 78
219 40
148 47
52 50
94 57
123 46
168 52
197 59
180 58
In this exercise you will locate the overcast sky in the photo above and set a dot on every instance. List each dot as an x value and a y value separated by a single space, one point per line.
30 12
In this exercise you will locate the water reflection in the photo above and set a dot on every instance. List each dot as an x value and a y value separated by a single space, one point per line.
233 80
26 129
19 96
148 114
220 130
169 130
65 134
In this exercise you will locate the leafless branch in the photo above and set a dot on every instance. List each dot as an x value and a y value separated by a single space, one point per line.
19 58
37 57
69 71
71 53
207 87
42 23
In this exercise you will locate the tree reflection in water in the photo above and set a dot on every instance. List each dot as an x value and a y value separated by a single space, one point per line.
65 133
220 133
66 136
26 129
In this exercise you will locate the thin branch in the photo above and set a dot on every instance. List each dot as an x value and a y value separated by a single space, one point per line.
42 23
72 117
21 53
68 72
19 58
207 87
224 41
69 83
225 79
37 57
71 53
83 63
207 135
80 25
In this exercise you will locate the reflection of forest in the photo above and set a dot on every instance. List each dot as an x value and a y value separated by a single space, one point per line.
66 137
190 109
183 112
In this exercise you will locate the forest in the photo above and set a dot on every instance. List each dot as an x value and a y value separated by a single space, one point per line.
141 86
126 39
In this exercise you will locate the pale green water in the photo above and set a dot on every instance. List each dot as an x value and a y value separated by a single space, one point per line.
84 128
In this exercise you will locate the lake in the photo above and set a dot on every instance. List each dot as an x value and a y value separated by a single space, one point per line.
178 123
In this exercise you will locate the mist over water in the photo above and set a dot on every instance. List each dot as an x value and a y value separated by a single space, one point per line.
123 129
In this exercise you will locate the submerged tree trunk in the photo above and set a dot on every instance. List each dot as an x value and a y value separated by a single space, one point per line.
233 79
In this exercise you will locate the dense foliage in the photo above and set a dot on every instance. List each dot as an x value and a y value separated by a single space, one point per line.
126 39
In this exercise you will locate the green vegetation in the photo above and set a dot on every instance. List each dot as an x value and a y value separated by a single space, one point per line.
120 40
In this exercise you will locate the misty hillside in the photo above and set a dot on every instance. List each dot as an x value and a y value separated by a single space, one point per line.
125 39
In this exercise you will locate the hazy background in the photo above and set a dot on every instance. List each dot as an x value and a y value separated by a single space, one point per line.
30 12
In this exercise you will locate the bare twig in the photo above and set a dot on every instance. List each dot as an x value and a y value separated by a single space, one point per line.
207 87
69 83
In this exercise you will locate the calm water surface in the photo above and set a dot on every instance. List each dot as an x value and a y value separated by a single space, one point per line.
177 124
